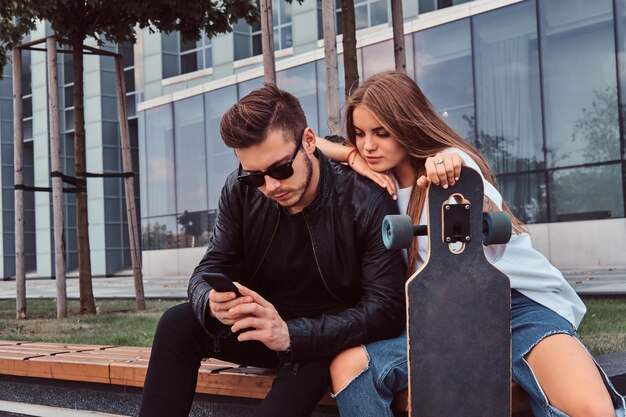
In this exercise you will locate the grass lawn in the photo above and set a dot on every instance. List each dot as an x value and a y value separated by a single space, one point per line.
117 323
603 329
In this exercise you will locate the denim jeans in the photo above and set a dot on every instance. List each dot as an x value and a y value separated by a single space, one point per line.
371 392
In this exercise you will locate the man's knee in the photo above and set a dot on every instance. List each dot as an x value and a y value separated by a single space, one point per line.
178 322
346 366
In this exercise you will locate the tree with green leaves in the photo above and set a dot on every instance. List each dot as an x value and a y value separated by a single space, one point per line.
73 21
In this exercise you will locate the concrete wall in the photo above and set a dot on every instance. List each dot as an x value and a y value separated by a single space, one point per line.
582 243
171 262
566 245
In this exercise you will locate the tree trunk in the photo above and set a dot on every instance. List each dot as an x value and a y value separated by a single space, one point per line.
397 20
267 42
350 63
87 303
330 57
129 184
18 153
57 186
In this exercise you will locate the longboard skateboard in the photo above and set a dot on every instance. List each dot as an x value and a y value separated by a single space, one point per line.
458 306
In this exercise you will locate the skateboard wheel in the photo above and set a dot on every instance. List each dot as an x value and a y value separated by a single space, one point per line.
397 231
496 228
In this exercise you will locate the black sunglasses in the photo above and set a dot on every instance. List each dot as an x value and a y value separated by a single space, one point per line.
279 172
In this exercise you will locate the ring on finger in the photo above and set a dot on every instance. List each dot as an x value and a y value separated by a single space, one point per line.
439 161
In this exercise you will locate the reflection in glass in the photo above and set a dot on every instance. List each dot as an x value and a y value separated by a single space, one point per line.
378 12
30 233
26 73
360 16
430 5
242 44
160 161
246 87
221 159
145 234
580 92
620 13
508 105
526 196
189 62
191 183
286 38
300 81
443 70
377 58
586 193
195 228
322 107
143 168
285 11
160 233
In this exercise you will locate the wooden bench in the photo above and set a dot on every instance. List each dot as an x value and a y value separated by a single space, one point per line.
126 366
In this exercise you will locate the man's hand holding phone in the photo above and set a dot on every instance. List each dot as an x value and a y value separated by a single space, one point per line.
245 310
224 295
260 321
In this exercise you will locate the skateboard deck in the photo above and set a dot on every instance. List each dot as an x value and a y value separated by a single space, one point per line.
458 313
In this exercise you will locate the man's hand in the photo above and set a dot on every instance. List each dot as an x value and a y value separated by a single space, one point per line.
221 302
264 321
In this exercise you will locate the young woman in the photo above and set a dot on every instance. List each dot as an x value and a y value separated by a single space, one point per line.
400 142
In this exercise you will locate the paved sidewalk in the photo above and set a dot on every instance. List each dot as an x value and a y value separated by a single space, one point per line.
597 280
110 287
586 281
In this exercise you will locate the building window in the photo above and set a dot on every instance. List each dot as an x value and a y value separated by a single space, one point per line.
248 37
367 13
128 59
195 55
27 96
430 5
67 160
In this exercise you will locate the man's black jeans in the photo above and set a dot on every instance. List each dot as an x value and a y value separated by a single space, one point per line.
180 343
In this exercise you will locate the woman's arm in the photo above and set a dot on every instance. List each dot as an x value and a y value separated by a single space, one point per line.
334 151
353 158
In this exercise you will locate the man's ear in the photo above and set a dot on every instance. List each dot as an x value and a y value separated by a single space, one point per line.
309 140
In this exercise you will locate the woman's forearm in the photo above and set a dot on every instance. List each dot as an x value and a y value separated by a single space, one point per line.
334 151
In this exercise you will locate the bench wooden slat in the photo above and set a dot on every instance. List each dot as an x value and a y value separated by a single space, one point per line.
69 346
127 366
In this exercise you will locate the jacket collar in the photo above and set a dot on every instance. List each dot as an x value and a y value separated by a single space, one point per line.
324 187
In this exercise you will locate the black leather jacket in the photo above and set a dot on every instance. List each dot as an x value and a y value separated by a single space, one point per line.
344 222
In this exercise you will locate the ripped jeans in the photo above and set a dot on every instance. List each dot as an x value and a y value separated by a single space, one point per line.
371 392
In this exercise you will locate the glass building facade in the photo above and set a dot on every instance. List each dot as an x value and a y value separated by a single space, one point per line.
109 243
536 86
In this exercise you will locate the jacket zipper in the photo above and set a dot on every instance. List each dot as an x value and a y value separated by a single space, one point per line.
317 263
267 248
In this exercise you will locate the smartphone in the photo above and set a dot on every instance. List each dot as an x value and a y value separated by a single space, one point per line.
220 282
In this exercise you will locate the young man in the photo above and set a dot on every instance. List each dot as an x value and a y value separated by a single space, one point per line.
301 237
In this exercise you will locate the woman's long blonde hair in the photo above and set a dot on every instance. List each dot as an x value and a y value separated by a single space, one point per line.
406 114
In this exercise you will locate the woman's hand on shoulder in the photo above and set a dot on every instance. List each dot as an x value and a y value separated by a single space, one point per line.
359 165
442 169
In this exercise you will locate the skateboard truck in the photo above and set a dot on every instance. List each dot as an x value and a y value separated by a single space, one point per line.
398 230
456 222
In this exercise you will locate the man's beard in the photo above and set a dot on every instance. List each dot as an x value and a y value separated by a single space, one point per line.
300 189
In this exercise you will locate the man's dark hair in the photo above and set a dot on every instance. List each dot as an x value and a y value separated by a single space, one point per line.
264 110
